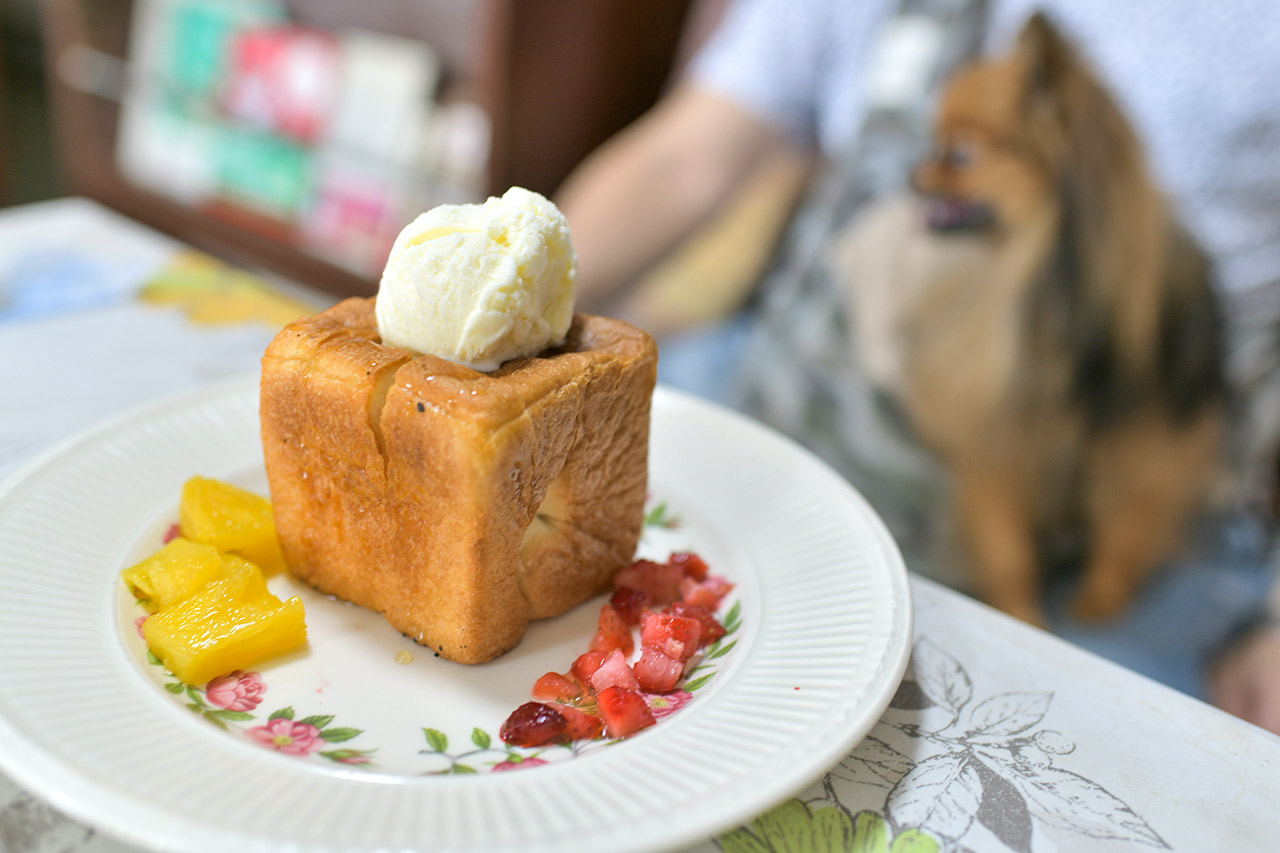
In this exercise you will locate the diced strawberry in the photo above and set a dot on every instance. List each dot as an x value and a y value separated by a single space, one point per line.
691 564
612 632
586 665
614 672
624 712
677 636
657 672
676 650
554 687
661 581
579 725
708 593
629 603
711 630
534 724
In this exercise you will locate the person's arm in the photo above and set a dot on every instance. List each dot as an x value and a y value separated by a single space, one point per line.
1245 679
652 185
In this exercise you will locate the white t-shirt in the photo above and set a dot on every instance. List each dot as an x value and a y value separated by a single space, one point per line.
1200 81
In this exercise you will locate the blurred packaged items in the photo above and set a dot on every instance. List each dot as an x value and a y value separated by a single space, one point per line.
283 80
329 139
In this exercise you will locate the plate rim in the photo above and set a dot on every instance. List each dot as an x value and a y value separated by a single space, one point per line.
98 805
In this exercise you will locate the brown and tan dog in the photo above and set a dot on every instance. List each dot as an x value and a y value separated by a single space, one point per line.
1060 342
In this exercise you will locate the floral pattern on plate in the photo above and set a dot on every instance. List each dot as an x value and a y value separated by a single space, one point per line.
234 702
229 702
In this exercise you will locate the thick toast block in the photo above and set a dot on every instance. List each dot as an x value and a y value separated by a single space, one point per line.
459 504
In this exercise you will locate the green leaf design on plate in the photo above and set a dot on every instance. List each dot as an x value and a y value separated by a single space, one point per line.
338 735
175 687
721 652
461 769
285 713
349 756
481 738
213 718
152 659
437 740
319 721
228 714
733 619
661 516
699 682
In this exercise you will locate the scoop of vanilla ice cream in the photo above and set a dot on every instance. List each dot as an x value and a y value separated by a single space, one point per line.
479 284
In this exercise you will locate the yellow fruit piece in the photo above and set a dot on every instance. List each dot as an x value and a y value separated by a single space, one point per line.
229 624
232 520
173 573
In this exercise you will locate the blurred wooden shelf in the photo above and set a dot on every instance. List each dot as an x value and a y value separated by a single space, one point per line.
556 78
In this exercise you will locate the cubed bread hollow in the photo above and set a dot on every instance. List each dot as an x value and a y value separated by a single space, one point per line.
458 504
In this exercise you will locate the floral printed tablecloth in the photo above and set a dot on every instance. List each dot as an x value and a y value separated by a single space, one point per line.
1001 738
1005 738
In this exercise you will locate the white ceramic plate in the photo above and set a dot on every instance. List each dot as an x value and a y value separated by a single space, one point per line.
822 625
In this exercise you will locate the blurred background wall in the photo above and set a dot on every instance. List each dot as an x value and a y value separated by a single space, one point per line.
28 167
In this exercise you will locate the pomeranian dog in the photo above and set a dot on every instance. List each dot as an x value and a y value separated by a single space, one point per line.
1053 335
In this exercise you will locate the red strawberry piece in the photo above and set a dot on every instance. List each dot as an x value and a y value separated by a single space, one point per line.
614 672
629 603
707 593
711 630
612 632
579 724
691 564
676 635
554 687
660 581
586 665
624 712
534 724
657 672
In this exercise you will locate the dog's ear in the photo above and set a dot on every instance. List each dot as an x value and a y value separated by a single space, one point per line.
1046 63
1111 210
1044 54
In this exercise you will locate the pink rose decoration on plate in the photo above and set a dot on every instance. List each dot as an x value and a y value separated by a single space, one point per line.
284 735
236 691
664 704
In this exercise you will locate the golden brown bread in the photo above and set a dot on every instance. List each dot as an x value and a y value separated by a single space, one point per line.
459 504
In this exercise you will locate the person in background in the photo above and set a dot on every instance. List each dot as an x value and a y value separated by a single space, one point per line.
1244 679
840 91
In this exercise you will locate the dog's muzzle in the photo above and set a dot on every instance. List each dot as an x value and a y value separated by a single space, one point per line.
952 213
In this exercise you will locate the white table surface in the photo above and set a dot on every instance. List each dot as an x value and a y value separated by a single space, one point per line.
1002 737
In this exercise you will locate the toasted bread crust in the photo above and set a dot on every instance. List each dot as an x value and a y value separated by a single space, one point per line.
459 504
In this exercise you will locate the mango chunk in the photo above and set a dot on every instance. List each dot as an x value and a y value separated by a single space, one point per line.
173 573
230 623
232 520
